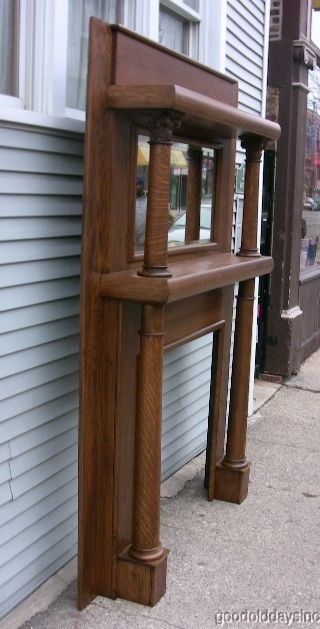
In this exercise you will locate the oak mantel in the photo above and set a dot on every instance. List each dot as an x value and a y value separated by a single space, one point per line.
137 304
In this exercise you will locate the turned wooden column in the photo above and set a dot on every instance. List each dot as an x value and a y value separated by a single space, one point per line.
193 193
232 473
146 546
235 457
253 146
155 261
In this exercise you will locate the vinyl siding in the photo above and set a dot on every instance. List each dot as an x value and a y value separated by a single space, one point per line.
245 50
40 229
245 54
186 389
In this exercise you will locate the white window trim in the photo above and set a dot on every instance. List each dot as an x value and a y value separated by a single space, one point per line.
213 34
256 292
11 101
178 7
42 55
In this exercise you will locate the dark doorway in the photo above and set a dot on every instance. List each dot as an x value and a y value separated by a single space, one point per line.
265 248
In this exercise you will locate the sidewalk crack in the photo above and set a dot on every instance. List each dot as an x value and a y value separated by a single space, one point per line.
129 616
284 445
298 387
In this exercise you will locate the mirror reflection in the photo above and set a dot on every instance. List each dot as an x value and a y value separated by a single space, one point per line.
190 203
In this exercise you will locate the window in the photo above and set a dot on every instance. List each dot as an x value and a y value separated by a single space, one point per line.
44 45
9 10
173 31
78 36
179 26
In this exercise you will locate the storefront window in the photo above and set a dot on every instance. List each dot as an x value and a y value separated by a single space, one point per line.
310 228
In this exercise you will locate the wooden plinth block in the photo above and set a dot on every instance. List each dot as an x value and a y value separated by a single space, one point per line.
139 581
231 484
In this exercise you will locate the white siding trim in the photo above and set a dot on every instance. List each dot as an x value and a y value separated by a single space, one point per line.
45 121
263 112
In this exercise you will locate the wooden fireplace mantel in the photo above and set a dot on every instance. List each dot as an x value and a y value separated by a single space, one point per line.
135 306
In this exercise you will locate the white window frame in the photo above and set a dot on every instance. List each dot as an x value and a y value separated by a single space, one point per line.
43 33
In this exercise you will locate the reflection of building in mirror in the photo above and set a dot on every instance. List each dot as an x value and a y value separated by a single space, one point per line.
190 201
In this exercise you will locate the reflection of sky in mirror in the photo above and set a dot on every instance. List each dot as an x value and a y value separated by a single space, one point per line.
315 29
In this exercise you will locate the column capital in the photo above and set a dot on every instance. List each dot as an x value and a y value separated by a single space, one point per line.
162 125
253 145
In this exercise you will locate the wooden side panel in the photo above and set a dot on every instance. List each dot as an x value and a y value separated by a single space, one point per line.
96 432
108 210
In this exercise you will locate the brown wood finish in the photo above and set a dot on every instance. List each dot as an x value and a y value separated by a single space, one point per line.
200 111
232 473
253 147
155 259
191 276
193 194
131 315
147 464
139 61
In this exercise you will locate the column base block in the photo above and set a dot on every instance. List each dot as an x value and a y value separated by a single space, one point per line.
141 582
231 485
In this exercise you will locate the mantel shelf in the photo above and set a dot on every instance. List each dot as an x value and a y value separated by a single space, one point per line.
198 110
190 276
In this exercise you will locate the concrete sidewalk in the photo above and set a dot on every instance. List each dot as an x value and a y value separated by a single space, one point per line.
260 557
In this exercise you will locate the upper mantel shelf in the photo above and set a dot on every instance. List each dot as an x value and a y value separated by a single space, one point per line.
191 275
198 110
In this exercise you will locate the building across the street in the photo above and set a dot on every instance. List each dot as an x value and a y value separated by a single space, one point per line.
290 306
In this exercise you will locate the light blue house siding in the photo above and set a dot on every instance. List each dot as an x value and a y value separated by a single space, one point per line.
40 227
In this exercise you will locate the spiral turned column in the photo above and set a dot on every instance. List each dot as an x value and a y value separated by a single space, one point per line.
146 544
161 128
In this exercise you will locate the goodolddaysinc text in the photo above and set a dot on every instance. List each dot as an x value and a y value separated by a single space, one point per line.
268 616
